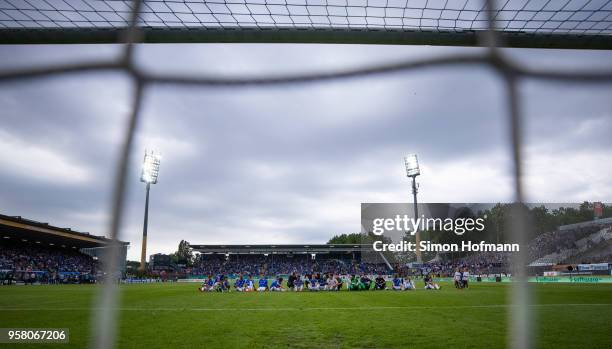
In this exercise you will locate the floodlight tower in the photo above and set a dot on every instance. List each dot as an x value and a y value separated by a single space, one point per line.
412 171
148 175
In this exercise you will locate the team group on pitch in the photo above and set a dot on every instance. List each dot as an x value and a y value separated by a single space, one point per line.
324 282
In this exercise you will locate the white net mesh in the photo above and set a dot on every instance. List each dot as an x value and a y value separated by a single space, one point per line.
576 24
402 20
529 16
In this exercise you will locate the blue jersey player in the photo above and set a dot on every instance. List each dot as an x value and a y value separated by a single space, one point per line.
210 284
397 283
277 285
249 284
239 284
298 284
263 284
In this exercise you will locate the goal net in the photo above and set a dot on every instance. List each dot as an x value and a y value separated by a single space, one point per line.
569 24
522 23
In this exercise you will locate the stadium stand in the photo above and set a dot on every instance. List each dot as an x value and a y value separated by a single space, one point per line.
35 252
334 259
595 248
273 260
561 245
485 263
30 263
588 242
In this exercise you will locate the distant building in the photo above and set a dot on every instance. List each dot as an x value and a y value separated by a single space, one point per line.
160 261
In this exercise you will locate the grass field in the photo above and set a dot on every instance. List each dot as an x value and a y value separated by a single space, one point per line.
176 315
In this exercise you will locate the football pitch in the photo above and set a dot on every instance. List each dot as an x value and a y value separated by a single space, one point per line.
178 316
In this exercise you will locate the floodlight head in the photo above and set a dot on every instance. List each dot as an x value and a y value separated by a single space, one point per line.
412 165
150 167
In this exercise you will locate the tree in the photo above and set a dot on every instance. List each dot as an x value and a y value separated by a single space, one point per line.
132 265
495 222
607 211
586 211
353 238
184 254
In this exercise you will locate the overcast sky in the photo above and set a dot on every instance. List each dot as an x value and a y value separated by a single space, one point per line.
289 164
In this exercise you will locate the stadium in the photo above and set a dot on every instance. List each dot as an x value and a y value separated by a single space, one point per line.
57 270
58 255
316 173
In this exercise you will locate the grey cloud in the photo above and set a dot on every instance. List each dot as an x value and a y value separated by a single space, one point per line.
289 163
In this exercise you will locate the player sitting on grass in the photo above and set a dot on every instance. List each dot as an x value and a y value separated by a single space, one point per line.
263 284
364 282
210 284
430 284
380 283
298 284
249 285
322 282
307 281
217 282
291 281
332 283
205 285
397 283
239 284
408 284
313 284
224 285
354 283
277 285
339 282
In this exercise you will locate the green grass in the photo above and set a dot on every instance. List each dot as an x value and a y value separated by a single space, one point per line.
176 315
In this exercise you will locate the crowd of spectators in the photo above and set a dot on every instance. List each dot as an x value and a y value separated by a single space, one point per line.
32 263
280 265
602 258
498 263
479 264
558 240
485 263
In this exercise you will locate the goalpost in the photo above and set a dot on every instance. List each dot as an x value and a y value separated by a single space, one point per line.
567 24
